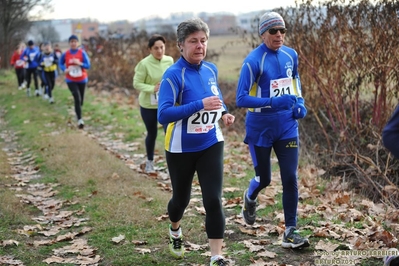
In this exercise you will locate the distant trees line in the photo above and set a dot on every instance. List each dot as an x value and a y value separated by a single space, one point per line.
15 22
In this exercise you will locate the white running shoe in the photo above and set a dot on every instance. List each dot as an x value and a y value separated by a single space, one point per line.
51 100
81 124
149 166
176 245
37 93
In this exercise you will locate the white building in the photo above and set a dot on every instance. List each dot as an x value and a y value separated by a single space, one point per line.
62 26
159 25
249 21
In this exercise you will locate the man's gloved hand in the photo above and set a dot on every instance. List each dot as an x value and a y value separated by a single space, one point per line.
283 102
299 108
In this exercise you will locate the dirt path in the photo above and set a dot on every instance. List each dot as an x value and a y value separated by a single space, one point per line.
53 218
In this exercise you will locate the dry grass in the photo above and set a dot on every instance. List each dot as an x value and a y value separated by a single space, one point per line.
232 53
85 163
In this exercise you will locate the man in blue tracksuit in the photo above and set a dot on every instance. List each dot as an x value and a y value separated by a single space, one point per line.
269 86
31 56
390 134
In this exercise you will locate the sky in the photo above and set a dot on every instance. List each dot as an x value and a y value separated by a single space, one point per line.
113 10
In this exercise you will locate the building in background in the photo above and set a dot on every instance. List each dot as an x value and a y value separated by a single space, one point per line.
50 30
119 29
249 21
219 23
63 27
161 25
85 29
60 30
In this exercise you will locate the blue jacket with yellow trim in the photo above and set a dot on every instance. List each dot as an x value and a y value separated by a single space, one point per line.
49 61
182 89
259 69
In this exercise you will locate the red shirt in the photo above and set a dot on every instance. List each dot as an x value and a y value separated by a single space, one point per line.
76 72
16 60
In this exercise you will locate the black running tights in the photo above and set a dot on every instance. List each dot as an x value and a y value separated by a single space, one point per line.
78 92
209 167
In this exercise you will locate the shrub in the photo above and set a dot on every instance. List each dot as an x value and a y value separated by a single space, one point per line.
347 54
114 60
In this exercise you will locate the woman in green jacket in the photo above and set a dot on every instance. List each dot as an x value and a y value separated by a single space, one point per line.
148 74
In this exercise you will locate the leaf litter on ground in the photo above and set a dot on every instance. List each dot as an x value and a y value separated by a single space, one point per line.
53 220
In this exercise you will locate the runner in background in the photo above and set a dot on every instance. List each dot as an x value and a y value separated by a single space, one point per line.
148 74
19 65
58 53
40 73
49 64
31 57
74 62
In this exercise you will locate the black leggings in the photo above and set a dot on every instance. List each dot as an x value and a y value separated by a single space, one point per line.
78 93
209 167
20 72
150 119
29 73
49 78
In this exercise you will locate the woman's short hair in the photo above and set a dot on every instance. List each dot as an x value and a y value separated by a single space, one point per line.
154 38
190 26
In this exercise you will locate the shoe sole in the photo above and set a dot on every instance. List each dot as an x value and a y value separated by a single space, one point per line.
176 256
242 210
295 246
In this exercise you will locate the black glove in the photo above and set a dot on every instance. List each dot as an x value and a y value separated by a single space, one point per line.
299 108
283 102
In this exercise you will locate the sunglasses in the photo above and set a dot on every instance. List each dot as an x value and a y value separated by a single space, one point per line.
274 31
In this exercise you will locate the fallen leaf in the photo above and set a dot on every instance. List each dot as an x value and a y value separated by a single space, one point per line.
118 239
10 242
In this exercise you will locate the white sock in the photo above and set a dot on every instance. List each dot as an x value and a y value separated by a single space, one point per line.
216 257
175 233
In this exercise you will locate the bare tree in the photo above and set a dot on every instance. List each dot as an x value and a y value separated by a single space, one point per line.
15 18
48 33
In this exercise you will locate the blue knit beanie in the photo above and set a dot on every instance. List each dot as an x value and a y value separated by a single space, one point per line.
73 37
270 20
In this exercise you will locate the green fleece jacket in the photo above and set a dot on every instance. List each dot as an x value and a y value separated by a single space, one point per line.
148 72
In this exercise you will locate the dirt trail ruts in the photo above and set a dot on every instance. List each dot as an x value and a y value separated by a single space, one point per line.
54 224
